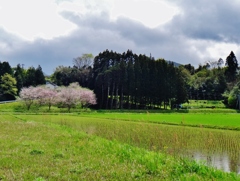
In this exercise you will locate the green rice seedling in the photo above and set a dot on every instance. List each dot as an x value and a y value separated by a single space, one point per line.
209 120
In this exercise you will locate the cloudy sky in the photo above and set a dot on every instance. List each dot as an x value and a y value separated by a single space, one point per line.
53 32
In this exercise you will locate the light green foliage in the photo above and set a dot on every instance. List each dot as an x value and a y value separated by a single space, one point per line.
85 61
196 104
198 79
8 85
232 95
232 101
185 74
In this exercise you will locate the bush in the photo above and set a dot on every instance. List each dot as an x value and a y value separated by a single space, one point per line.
232 101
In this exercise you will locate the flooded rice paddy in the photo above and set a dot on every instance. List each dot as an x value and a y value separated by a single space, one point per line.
214 147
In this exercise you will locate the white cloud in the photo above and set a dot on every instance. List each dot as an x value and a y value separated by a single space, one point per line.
151 13
85 6
221 50
185 32
77 7
32 19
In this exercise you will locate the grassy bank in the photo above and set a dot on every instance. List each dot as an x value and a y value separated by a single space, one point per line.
36 150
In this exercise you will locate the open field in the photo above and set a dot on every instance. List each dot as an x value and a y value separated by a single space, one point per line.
48 147
118 145
167 139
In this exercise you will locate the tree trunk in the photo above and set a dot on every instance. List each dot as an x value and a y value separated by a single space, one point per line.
117 99
121 99
112 94
102 101
108 90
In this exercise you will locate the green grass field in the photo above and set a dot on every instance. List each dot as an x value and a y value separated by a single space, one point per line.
90 145
207 120
35 148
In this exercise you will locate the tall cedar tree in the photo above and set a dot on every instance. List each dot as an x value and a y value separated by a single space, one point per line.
20 77
135 81
34 77
39 76
5 68
232 67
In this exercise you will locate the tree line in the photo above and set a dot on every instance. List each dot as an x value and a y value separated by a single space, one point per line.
130 81
14 79
136 81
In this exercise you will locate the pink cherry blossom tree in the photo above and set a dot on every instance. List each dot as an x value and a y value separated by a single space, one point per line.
69 97
46 96
28 95
39 91
74 95
87 97
40 95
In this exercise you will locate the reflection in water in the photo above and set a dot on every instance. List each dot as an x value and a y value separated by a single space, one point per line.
219 161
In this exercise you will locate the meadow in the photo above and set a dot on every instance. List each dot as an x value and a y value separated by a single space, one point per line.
90 145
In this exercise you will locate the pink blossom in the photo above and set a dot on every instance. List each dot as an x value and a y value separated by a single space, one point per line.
66 96
28 95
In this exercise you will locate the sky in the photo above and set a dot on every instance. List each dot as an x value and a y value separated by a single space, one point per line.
51 33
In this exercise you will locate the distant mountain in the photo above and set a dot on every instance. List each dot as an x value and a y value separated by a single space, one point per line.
46 75
174 63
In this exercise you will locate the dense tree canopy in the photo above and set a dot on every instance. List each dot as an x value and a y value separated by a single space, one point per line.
66 75
34 77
